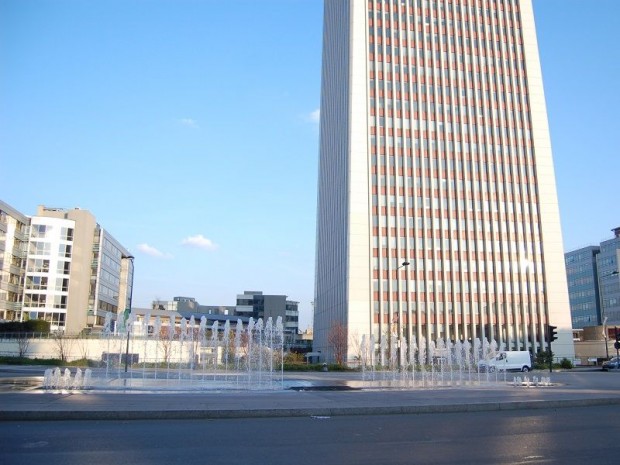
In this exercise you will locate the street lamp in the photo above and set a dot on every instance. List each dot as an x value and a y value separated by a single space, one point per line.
600 296
126 314
400 322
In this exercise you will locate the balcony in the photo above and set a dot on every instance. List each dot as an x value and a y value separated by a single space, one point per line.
22 236
12 306
6 286
19 253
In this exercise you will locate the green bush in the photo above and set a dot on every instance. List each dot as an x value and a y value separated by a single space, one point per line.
30 326
543 357
29 361
314 367
566 364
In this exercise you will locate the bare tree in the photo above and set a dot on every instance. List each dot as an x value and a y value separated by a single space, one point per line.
165 343
82 348
356 347
337 340
23 344
63 346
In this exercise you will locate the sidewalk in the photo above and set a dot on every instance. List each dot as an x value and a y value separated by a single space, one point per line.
315 394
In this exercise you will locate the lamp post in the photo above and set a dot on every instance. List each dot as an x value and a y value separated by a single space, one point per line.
400 322
600 296
127 328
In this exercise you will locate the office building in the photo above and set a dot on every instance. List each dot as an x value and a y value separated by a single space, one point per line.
608 266
583 290
594 284
436 181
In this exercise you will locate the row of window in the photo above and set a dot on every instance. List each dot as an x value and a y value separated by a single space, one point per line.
395 7
583 294
465 186
482 266
469 188
55 318
458 308
42 231
41 283
43 300
45 248
455 245
430 286
40 265
583 281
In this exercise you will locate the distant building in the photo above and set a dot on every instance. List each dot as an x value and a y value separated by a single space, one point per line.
607 263
255 304
582 278
250 304
594 283
73 271
189 305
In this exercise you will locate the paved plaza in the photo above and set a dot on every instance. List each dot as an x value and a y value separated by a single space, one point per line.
305 394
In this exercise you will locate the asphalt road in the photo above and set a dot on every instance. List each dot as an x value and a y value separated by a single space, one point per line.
564 436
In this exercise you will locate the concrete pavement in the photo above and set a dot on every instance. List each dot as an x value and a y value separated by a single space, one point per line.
313 394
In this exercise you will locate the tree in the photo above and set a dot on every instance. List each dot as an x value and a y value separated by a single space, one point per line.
164 343
337 341
63 345
23 344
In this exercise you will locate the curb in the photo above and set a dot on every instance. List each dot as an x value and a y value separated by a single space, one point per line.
308 412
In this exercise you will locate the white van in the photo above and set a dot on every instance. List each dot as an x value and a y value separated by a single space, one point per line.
518 360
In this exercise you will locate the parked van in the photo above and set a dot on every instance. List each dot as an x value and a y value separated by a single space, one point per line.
518 360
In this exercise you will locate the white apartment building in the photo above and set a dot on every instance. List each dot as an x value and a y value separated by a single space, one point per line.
72 273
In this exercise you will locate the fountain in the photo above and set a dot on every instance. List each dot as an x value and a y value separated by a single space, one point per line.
185 356
432 364
166 354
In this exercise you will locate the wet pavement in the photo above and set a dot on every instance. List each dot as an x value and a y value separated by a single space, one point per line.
310 393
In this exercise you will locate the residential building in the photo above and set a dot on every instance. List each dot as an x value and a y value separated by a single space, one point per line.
63 268
13 249
436 181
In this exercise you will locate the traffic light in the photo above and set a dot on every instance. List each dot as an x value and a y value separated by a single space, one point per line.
552 334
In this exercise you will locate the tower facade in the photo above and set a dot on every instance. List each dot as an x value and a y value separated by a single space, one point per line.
437 206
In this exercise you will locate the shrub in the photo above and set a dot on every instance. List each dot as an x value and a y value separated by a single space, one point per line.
566 363
30 326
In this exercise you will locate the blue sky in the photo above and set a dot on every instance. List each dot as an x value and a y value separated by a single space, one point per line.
190 130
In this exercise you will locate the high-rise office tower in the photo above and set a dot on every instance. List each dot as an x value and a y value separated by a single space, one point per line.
437 206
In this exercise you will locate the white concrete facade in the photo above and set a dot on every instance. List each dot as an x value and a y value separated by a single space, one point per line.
435 151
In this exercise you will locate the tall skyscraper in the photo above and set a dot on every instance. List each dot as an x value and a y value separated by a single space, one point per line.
437 206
